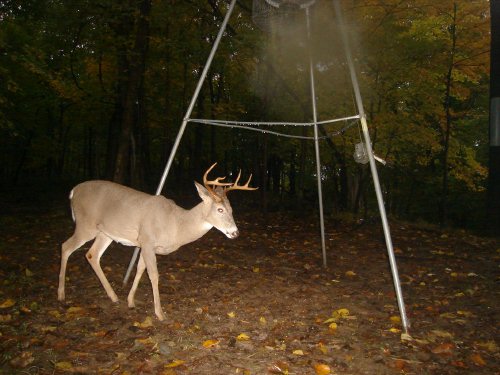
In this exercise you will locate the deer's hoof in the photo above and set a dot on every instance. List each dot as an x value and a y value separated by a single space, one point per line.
161 316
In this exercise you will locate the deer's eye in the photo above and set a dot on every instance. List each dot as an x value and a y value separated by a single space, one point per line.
221 210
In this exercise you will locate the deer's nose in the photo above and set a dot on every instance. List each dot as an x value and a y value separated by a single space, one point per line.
233 235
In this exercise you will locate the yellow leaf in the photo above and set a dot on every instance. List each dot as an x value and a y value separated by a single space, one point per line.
210 343
242 337
490 346
337 315
262 320
322 369
256 269
75 310
175 363
298 352
231 314
333 326
395 319
48 328
148 322
7 303
394 330
28 272
55 313
350 273
64 365
322 348
145 341
342 312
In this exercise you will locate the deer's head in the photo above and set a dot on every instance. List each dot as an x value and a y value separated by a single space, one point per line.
217 209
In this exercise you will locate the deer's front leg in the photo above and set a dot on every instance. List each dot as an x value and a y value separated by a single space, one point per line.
148 253
141 266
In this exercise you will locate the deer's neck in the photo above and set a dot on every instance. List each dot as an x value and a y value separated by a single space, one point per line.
194 224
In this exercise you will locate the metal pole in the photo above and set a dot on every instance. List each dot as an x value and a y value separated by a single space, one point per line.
185 121
373 167
316 141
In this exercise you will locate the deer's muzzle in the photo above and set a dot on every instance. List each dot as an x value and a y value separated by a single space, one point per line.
233 235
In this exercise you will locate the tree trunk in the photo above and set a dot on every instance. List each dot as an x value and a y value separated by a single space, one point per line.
493 198
443 203
133 90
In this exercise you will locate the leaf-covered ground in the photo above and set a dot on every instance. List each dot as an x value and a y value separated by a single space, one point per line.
260 304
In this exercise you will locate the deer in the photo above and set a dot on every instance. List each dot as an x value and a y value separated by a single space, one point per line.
105 211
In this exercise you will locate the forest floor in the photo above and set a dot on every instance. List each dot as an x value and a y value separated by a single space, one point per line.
260 304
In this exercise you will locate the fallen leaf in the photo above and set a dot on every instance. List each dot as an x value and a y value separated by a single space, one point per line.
490 346
460 364
322 348
45 329
332 326
231 314
25 310
478 360
262 320
445 348
242 337
337 315
145 341
280 368
394 330
322 369
28 272
441 333
350 273
63 365
395 319
55 313
210 343
298 352
7 303
175 363
399 364
5 318
75 310
148 322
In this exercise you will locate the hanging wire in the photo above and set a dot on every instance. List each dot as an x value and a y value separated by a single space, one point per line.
253 126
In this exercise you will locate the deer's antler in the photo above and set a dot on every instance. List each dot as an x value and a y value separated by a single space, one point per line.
235 186
216 182
227 186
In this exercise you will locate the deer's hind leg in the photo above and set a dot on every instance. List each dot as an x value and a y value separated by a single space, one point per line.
94 255
78 239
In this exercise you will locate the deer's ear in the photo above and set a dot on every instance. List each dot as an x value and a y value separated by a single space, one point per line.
202 192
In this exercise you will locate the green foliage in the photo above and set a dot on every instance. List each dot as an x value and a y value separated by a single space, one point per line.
60 67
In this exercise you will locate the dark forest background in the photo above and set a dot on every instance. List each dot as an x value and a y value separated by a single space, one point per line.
98 89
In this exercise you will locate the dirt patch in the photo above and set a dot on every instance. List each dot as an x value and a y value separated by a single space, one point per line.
261 304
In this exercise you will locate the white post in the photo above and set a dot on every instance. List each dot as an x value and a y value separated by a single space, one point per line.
185 121
316 142
373 167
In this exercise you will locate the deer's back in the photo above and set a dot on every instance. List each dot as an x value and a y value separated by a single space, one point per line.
114 208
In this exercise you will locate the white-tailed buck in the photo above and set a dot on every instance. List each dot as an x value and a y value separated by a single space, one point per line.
107 212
